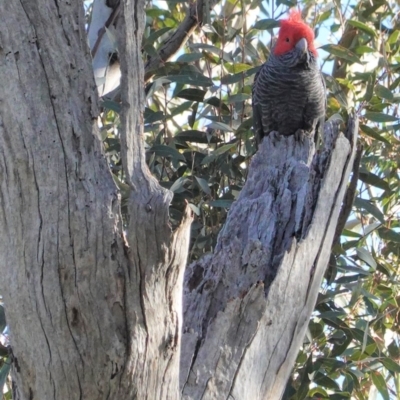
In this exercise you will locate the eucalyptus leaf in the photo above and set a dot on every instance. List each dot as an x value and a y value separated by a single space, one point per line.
380 384
111 105
367 257
374 180
265 24
389 234
383 92
193 78
192 94
364 27
166 151
221 150
190 57
221 203
4 371
203 185
178 184
195 136
220 125
341 52
380 117
372 132
371 208
156 34
2 319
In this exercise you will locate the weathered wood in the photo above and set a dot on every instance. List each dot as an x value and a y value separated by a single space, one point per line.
247 306
158 255
92 314
61 242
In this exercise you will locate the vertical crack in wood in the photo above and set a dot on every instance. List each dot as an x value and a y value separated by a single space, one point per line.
274 233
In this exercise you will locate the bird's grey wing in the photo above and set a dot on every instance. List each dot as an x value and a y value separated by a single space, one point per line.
314 111
257 123
257 114
319 130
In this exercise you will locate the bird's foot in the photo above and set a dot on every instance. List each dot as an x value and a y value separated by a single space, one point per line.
275 137
300 134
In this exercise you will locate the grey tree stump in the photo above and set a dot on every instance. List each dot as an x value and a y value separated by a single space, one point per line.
247 306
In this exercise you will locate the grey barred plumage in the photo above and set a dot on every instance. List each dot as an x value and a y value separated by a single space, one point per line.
289 92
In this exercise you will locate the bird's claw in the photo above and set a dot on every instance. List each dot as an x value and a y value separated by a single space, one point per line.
300 134
275 137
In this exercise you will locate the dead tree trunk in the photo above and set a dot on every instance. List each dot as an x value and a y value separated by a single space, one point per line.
96 314
247 306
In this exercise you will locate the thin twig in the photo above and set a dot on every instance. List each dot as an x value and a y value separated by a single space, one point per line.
349 197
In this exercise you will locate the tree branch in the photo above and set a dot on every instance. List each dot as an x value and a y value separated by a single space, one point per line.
349 197
158 255
193 19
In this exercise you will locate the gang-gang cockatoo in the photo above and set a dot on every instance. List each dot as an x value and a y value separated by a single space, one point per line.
289 91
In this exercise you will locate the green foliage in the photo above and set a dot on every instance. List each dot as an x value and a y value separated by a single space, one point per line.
5 365
4 359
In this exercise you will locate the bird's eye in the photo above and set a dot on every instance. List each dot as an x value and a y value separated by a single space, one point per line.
287 40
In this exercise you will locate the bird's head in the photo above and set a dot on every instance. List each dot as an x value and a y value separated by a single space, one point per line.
295 34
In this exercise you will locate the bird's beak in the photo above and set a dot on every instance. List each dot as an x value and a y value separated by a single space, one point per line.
302 46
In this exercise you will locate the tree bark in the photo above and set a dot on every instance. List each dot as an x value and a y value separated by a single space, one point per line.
94 307
247 306
92 314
